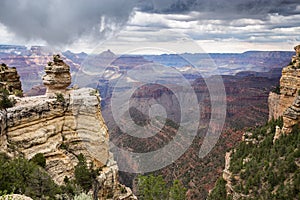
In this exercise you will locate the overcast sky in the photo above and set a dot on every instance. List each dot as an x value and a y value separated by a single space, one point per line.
174 25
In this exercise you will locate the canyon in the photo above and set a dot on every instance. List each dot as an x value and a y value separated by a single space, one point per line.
248 79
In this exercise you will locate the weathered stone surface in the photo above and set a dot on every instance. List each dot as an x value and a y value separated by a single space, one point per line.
289 86
10 79
61 131
57 77
297 49
278 133
291 116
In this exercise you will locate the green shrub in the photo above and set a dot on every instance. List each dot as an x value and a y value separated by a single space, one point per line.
64 146
152 187
84 175
20 176
276 89
219 191
5 102
60 97
39 159
83 196
18 93
177 191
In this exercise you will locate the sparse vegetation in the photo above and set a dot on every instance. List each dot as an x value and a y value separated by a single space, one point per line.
276 89
84 175
39 159
60 98
271 170
19 176
64 146
83 196
177 191
5 101
93 92
219 192
154 187
18 93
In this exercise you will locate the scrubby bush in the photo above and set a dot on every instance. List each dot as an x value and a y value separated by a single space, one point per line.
18 93
219 191
276 89
39 159
5 101
84 175
177 191
154 187
60 97
83 196
20 176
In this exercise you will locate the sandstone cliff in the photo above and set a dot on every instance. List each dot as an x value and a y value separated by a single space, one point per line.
61 128
286 104
291 116
57 77
10 79
289 85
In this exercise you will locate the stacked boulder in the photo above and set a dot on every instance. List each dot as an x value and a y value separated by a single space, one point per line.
57 77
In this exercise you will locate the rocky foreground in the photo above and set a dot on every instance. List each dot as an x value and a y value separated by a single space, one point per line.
61 125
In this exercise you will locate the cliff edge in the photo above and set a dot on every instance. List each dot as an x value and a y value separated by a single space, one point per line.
285 103
288 89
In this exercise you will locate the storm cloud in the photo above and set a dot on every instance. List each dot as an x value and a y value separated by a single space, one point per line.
60 22
63 21
227 9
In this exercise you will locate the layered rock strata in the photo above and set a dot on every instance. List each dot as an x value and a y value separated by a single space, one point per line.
291 116
286 103
58 76
289 85
10 79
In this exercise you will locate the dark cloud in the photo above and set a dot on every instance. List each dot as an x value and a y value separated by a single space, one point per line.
227 9
63 21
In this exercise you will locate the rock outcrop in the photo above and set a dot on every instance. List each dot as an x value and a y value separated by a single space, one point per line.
61 128
58 76
291 116
289 85
287 103
10 79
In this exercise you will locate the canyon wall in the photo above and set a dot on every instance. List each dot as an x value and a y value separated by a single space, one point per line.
289 86
283 103
286 102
